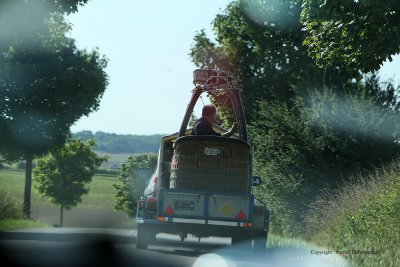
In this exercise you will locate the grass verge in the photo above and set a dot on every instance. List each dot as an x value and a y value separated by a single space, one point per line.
276 241
13 224
361 219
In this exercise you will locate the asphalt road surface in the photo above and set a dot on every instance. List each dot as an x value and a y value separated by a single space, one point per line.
59 247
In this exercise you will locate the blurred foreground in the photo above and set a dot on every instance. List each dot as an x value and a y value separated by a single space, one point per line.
115 247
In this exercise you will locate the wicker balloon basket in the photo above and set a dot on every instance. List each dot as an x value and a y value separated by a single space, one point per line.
208 163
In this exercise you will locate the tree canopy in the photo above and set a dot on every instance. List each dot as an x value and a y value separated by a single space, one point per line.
46 82
261 42
352 35
59 6
45 92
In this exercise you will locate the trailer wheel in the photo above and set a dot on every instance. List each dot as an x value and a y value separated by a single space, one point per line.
242 239
144 236
183 236
260 241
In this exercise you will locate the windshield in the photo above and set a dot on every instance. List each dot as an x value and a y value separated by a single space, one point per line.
287 117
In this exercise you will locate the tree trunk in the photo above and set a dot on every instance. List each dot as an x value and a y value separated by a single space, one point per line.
61 215
28 187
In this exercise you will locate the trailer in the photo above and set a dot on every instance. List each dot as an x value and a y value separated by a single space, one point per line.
203 185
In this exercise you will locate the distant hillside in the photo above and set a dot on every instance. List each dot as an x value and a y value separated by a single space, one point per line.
117 143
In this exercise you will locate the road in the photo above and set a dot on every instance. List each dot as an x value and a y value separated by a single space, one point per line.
59 247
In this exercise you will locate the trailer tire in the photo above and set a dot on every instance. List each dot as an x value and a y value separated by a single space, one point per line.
260 241
242 239
144 236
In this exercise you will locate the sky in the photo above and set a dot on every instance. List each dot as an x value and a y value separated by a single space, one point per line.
150 72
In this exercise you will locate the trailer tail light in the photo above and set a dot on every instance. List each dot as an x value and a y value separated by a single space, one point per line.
241 215
151 203
169 211
141 204
248 224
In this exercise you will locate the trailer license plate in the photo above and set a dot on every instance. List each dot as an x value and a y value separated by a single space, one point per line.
150 214
184 205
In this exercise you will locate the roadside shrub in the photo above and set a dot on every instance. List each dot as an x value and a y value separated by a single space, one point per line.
285 157
9 208
131 181
321 140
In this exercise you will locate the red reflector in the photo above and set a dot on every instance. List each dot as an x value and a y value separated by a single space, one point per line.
241 215
248 224
169 211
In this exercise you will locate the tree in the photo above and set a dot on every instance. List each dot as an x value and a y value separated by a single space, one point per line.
353 35
133 177
48 6
62 176
261 42
46 83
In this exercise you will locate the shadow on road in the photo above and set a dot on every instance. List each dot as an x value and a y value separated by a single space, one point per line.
61 248
84 247
186 248
67 237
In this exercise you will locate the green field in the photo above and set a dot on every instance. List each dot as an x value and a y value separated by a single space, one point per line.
96 209
114 160
100 196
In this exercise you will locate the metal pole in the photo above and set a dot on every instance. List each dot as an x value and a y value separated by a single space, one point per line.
197 92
